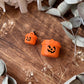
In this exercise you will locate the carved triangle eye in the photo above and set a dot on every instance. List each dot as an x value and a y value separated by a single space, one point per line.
49 46
54 48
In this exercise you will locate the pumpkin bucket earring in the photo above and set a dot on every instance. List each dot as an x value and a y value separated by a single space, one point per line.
31 38
50 48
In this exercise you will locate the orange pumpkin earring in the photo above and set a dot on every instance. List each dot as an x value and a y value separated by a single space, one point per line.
31 38
50 48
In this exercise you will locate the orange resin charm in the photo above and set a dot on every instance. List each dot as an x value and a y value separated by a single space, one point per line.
50 48
30 38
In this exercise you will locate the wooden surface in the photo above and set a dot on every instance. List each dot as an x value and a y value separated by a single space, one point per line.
22 59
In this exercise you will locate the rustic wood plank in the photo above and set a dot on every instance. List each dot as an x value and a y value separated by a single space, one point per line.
22 58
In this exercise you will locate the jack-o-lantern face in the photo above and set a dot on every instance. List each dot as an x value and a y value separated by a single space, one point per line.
51 49
30 38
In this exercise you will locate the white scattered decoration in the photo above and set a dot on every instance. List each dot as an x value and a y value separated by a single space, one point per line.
4 25
29 82
80 55
32 74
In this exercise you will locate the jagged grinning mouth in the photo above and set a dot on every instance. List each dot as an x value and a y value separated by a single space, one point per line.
51 51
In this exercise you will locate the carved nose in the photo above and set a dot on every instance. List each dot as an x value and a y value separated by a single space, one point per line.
51 49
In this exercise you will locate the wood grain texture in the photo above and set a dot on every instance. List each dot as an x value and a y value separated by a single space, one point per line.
22 58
